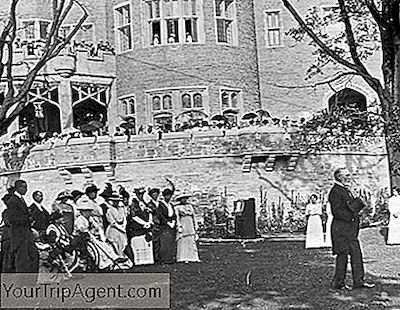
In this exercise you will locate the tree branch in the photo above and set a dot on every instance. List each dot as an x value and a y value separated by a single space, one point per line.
336 77
351 41
54 47
315 38
376 14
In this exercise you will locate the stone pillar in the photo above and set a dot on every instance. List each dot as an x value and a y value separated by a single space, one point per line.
65 100
112 110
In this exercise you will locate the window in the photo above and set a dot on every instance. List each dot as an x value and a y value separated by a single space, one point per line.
128 105
171 108
230 99
29 28
44 29
86 33
273 29
166 102
171 21
226 21
191 100
123 27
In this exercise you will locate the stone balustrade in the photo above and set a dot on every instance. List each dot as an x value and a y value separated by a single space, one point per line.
106 151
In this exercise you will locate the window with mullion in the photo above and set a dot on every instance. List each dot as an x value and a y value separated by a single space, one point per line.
124 27
225 21
273 28
171 21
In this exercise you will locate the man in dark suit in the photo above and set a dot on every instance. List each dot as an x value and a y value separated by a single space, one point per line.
345 227
22 240
39 215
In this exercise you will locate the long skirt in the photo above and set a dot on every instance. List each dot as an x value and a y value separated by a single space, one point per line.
118 239
187 249
328 236
315 233
105 257
142 250
167 246
394 230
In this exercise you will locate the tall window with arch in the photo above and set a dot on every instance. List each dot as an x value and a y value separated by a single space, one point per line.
230 99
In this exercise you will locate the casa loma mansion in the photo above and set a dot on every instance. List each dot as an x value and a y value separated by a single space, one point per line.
167 62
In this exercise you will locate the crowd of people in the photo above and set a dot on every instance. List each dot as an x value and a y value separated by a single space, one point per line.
96 230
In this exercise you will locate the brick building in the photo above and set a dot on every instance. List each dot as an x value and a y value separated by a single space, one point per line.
174 61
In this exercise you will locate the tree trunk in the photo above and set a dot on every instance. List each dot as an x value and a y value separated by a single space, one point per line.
393 121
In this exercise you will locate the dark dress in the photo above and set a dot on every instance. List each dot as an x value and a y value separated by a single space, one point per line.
140 238
165 233
39 218
344 232
22 239
6 255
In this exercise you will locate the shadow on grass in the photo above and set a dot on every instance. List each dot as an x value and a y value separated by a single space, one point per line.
271 275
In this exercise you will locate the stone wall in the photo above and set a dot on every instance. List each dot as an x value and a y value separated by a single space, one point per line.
204 162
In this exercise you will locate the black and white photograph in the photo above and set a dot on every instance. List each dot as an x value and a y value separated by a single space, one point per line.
200 154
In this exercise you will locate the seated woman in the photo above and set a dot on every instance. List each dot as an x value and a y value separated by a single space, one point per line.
102 252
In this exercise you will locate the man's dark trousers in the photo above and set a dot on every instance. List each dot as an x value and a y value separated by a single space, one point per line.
357 266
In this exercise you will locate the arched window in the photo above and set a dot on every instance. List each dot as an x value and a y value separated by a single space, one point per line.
156 103
125 107
234 100
186 101
131 106
225 100
197 100
167 102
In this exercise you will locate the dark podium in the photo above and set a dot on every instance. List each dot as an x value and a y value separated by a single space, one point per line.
245 218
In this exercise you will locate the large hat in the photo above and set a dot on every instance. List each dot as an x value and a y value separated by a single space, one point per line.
107 191
92 188
154 190
64 194
140 190
84 204
114 196
183 195
77 193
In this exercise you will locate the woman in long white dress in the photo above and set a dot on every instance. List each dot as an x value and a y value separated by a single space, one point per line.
394 220
315 233
186 235
116 230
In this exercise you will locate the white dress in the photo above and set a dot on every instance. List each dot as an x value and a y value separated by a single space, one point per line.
328 236
394 220
315 233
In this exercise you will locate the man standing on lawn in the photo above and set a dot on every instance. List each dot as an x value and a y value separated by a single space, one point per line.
345 227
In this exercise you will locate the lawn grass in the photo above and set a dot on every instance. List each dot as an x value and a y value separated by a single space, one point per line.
281 275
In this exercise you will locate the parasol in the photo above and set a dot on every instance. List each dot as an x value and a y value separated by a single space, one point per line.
91 126
249 116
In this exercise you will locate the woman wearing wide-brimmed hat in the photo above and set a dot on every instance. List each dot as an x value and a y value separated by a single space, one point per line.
116 217
166 226
186 230
98 215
